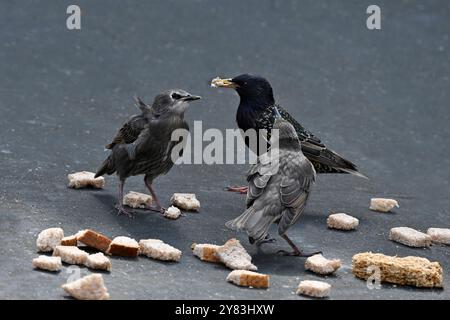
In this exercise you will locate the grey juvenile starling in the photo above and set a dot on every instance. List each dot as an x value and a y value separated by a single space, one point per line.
143 145
255 111
277 190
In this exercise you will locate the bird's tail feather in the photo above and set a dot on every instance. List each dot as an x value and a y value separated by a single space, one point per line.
255 223
107 167
355 173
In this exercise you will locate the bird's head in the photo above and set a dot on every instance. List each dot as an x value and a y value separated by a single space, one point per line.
174 101
253 90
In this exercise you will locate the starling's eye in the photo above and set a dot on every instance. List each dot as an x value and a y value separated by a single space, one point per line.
176 96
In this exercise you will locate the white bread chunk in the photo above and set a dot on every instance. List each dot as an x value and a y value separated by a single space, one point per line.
71 254
342 221
312 288
206 252
439 235
48 239
319 264
157 249
234 256
90 287
123 246
382 204
172 213
85 179
137 200
247 278
47 263
185 201
98 261
410 237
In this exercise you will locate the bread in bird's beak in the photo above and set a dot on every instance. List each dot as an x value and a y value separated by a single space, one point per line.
222 83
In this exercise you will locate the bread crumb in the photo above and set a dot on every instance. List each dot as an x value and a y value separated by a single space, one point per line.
47 263
312 288
234 256
49 238
137 200
93 239
71 255
318 264
410 237
90 287
172 213
439 235
342 221
382 204
206 252
185 201
69 241
157 249
85 179
98 261
123 246
247 278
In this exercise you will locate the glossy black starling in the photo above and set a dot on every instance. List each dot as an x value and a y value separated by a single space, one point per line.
278 189
143 145
255 111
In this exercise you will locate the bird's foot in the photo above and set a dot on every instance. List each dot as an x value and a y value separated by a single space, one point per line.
242 190
156 208
121 210
297 253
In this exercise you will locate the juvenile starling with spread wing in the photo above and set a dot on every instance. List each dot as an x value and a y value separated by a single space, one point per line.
278 189
144 143
255 111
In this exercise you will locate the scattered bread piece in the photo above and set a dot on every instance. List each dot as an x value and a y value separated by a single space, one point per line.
85 179
123 246
413 271
185 201
318 264
312 288
439 235
94 239
383 205
47 263
410 237
137 200
71 255
90 287
172 213
247 278
206 252
157 249
234 256
69 241
342 221
48 239
98 261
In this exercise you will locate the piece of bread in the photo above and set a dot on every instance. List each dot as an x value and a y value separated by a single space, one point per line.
312 288
234 256
206 252
47 263
94 239
410 237
98 261
439 235
382 204
247 278
172 213
123 246
71 255
157 249
318 264
137 200
69 241
90 287
342 221
413 271
49 238
185 201
85 179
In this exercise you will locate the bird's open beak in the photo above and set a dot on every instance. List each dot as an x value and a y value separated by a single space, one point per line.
191 98
223 83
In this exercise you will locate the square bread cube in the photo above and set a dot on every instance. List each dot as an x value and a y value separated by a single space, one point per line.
157 249
206 252
439 235
382 204
234 256
98 261
49 239
320 265
410 237
93 239
342 221
312 288
90 287
123 246
47 263
185 201
172 213
85 179
71 255
137 200
247 278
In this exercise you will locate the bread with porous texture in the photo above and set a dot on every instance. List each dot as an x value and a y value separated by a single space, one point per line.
157 249
47 263
90 287
123 246
48 239
412 271
85 179
315 289
410 237
206 252
439 235
320 265
234 256
342 221
69 241
172 213
98 261
137 200
71 254
247 278
93 239
185 201
382 204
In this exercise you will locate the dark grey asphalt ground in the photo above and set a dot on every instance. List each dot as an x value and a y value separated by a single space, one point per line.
381 98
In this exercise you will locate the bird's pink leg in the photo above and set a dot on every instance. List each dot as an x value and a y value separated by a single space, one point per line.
120 207
242 190
297 252
158 207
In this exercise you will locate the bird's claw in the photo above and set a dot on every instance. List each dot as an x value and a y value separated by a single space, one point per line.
297 253
157 208
242 190
268 239
122 210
